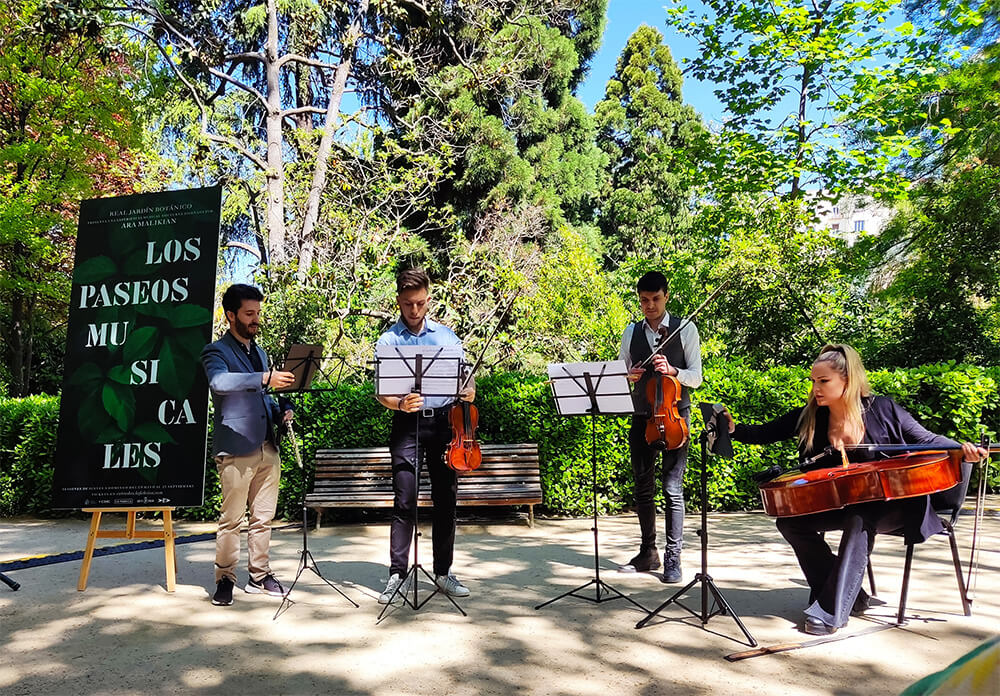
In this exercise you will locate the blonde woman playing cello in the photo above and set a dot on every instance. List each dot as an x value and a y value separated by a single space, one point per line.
842 411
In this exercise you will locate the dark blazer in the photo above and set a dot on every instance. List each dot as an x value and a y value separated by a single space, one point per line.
245 413
886 423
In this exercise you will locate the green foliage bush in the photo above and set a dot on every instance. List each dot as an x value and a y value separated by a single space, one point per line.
27 448
954 400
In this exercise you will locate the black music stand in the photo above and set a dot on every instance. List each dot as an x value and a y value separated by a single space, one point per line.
305 362
715 438
592 389
427 371
9 583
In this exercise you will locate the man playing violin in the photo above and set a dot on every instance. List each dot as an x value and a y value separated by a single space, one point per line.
842 411
414 328
681 358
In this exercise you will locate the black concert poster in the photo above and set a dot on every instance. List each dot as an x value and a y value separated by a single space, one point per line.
133 418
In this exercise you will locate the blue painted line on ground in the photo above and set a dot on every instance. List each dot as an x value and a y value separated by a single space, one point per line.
35 561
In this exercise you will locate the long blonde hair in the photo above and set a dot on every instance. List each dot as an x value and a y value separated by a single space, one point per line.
846 361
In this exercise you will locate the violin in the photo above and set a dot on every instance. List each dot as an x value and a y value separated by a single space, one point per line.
666 429
464 453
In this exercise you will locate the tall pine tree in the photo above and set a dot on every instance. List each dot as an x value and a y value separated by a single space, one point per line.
652 139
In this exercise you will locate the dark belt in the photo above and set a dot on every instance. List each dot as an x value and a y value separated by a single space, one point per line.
428 413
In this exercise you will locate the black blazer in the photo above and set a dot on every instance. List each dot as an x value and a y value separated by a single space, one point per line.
886 423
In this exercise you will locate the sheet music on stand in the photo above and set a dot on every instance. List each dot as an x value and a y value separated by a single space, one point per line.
578 387
308 364
302 360
395 369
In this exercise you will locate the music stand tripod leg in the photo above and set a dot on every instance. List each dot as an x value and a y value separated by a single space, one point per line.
411 574
598 584
306 559
9 583
703 578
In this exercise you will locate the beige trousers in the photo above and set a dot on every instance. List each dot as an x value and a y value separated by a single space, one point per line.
247 480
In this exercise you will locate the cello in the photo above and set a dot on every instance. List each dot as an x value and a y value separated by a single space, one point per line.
666 429
812 487
464 453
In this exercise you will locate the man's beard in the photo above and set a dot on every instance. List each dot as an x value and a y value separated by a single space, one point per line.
244 330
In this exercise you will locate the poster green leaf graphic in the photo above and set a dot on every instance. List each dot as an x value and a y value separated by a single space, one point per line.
153 432
181 367
135 264
168 371
92 419
119 402
87 377
190 315
190 342
120 374
94 270
140 344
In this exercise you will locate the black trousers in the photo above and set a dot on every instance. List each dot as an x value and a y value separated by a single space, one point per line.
835 580
644 472
435 434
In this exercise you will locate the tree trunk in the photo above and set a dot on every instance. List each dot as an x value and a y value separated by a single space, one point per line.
275 162
16 348
326 144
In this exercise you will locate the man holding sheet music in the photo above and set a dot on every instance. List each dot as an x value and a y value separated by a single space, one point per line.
681 359
244 443
415 329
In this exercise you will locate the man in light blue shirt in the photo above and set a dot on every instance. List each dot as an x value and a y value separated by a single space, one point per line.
431 413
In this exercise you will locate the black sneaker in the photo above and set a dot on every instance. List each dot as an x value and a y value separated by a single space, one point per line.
671 568
268 586
646 560
223 593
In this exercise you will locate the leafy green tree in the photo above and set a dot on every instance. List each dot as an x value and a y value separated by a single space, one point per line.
951 106
934 281
652 141
66 129
797 80
510 160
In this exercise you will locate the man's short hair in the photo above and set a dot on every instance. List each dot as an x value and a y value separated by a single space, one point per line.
412 279
232 298
651 282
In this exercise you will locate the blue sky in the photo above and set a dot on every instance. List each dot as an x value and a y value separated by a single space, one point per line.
624 17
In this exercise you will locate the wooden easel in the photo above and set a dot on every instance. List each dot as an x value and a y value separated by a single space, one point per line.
166 534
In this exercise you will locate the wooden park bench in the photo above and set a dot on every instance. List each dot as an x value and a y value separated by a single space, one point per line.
362 478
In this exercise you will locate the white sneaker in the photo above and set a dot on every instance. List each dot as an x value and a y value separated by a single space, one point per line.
451 585
395 580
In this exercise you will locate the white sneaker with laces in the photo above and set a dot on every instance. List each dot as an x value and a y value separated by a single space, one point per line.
395 580
451 585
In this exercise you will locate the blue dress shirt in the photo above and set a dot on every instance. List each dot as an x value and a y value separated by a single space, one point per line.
431 334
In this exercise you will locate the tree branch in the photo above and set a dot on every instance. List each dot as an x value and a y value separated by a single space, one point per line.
295 58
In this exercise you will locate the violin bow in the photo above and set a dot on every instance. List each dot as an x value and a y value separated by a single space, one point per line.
680 327
482 354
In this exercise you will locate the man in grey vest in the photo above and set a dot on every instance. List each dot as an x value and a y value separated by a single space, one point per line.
244 443
681 359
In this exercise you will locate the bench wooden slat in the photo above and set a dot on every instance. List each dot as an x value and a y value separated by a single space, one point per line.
348 478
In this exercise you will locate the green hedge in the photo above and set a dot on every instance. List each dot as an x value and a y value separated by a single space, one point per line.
950 399
27 448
